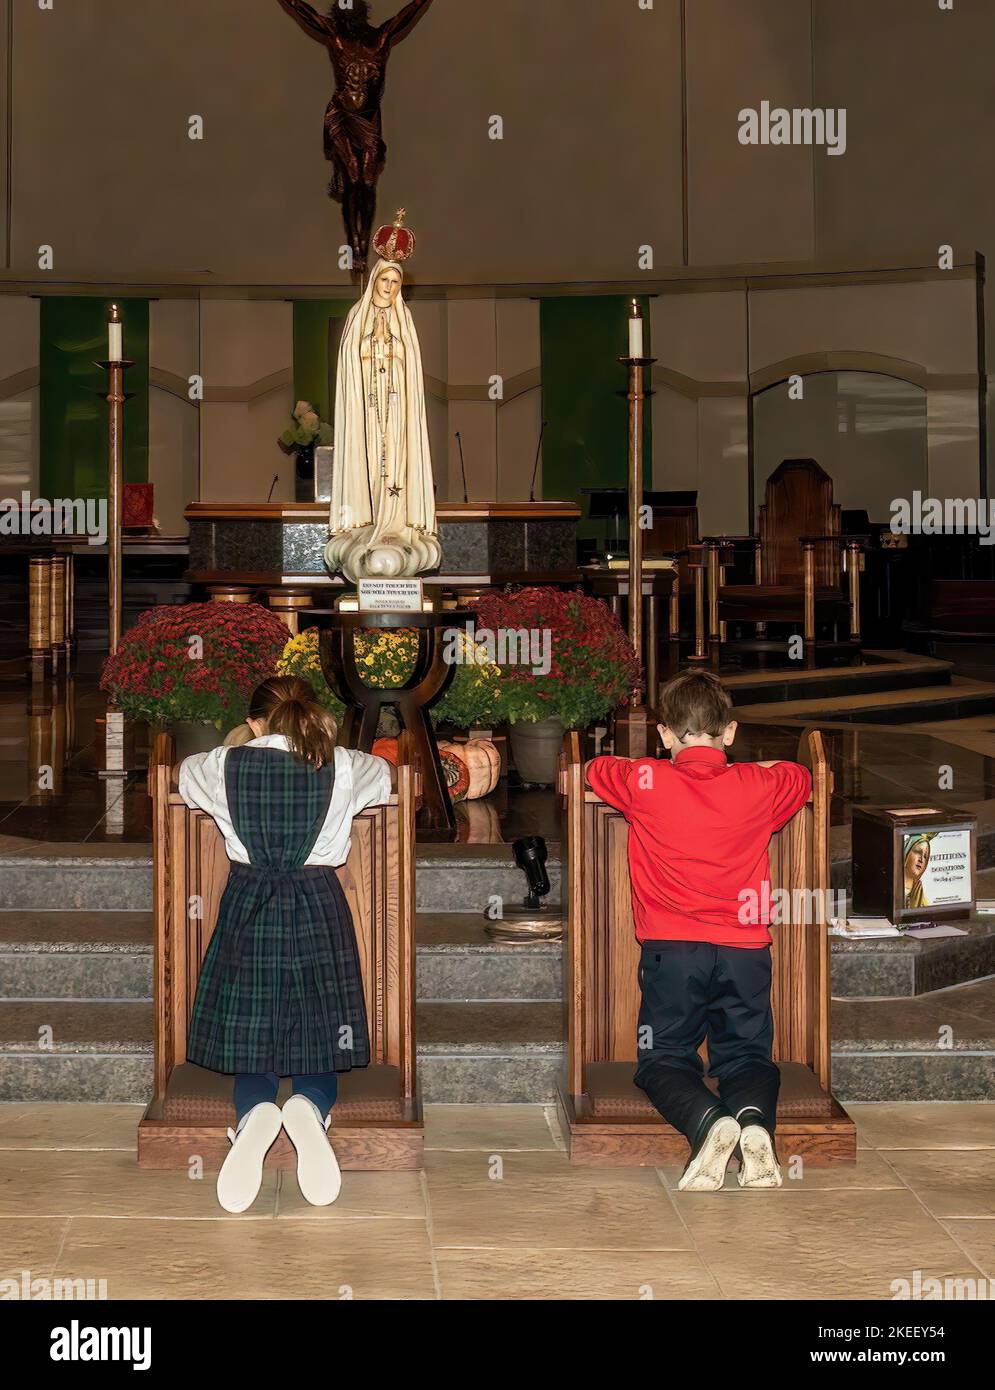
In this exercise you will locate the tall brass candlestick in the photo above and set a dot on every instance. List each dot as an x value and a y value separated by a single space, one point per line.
637 394
115 366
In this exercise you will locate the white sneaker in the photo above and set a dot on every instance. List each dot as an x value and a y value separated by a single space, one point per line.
318 1174
758 1166
706 1169
242 1171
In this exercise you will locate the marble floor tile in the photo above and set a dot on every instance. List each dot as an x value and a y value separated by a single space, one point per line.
977 1240
62 1126
240 1259
840 1244
371 1196
30 1243
539 1199
953 1125
494 1128
573 1274
67 1182
950 1182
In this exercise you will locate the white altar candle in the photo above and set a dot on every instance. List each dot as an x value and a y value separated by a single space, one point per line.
635 333
115 341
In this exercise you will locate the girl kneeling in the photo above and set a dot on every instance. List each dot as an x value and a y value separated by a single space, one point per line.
280 991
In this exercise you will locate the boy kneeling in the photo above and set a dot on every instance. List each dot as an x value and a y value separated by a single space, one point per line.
699 828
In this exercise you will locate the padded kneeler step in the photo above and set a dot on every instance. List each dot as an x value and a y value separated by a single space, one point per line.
195 1096
613 1095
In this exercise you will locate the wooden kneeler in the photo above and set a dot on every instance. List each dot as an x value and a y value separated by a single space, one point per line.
607 1118
377 1119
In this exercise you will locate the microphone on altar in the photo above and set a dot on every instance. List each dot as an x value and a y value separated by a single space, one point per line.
459 440
276 479
535 471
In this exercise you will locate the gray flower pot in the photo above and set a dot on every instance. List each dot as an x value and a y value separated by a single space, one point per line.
535 749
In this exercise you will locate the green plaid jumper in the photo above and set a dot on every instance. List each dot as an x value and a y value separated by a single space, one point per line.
280 989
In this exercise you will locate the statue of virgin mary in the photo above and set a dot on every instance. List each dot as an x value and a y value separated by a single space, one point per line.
382 518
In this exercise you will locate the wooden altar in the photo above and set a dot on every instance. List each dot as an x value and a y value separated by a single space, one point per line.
377 1120
607 1119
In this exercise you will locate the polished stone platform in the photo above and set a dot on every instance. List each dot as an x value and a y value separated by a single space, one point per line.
274 543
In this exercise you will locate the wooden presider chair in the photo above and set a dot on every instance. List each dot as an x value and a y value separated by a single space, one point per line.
609 1120
800 561
376 1120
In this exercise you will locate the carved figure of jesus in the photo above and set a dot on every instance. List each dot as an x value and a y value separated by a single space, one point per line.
353 126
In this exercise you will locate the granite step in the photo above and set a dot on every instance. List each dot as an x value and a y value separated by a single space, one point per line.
62 1050
905 966
458 963
75 955
493 1053
467 878
83 878
938 1046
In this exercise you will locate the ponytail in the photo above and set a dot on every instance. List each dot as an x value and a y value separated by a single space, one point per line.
289 706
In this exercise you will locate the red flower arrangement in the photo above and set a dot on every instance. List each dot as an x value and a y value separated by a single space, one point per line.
580 664
200 661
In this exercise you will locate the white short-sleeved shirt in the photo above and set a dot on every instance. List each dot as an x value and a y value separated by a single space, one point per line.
361 780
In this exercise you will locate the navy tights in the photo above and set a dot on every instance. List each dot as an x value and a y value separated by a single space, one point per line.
252 1088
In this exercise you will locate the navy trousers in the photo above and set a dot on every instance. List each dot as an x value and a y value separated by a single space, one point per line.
692 991
252 1088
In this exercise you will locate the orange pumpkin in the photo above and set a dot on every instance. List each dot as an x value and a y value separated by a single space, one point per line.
482 761
456 775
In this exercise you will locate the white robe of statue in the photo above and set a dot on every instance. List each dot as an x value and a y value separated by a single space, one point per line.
382 519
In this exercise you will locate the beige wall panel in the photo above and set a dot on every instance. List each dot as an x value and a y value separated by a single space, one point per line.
723 497
518 424
472 341
746 202
675 441
19 443
174 423
475 421
174 436
582 88
920 115
519 336
953 443
239 453
702 336
931 323
20 334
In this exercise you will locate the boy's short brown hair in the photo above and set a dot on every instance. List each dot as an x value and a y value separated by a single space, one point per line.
695 702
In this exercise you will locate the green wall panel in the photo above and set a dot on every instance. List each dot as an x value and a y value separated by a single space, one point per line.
73 390
317 330
587 436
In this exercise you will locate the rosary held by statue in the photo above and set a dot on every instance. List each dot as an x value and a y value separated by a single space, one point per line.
353 125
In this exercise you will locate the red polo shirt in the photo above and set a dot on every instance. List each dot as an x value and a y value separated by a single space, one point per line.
699 828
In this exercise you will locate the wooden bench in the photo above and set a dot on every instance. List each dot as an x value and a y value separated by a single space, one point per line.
377 1120
606 1117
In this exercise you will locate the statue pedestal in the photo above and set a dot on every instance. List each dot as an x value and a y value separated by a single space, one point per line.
411 702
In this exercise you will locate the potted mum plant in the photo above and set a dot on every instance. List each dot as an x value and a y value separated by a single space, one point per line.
579 664
192 668
386 658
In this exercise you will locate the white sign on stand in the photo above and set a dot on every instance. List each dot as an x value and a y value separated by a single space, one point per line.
390 596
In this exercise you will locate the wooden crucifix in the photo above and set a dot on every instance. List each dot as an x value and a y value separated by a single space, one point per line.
353 125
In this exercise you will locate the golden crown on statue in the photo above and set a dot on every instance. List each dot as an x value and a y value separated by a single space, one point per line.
395 242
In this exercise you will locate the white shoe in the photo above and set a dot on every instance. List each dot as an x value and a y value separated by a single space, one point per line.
758 1166
318 1174
242 1171
706 1170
